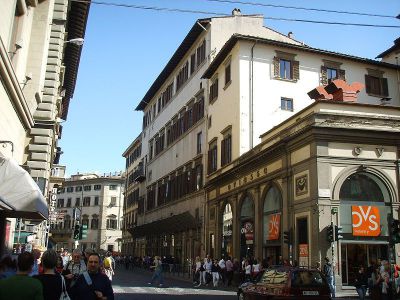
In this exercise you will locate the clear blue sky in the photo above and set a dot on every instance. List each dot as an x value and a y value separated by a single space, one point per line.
125 49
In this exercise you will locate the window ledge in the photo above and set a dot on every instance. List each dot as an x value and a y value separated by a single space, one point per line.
376 95
287 80
227 84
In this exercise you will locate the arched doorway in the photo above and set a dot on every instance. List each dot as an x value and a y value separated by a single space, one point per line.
272 212
365 205
247 228
227 218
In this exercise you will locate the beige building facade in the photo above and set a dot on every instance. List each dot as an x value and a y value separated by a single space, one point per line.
38 69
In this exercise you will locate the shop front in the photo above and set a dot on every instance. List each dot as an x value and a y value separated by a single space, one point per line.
365 209
247 228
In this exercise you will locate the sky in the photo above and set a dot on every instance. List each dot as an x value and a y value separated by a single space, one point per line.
126 48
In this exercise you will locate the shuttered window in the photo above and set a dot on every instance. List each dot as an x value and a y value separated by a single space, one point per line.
286 68
214 90
376 86
212 157
328 74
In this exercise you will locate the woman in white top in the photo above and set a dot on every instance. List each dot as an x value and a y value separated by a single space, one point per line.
247 270
256 268
199 271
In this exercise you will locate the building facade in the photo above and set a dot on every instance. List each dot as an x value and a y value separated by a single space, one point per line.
38 70
230 81
91 200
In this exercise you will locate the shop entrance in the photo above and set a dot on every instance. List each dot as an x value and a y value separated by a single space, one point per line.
356 255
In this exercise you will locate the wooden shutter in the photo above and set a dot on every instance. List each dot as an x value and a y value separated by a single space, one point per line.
276 66
368 84
385 89
324 75
296 70
342 74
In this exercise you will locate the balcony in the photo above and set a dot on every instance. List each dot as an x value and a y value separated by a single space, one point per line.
139 174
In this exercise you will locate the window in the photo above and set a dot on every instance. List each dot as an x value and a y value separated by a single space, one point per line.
201 53
87 188
70 189
212 157
60 203
286 104
226 150
192 63
113 201
331 71
375 84
97 187
199 177
96 200
214 89
78 202
111 223
199 141
78 189
67 222
151 150
183 75
113 187
69 202
86 201
285 67
227 74
95 222
85 220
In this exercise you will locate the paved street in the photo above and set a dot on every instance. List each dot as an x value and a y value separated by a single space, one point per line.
134 285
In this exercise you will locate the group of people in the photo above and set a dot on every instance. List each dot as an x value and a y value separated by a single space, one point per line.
51 275
379 280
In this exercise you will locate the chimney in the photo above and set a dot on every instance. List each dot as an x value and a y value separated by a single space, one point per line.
337 90
290 35
236 12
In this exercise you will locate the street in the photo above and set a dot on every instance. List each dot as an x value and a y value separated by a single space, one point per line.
134 285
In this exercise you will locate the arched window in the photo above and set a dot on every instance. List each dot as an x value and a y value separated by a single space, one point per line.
247 210
272 214
363 186
111 222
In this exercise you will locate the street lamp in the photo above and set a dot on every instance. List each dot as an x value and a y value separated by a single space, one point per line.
76 41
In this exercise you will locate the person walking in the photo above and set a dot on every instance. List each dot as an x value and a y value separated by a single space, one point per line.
198 276
108 266
361 282
222 267
53 283
21 286
328 272
375 287
74 268
92 284
229 270
157 266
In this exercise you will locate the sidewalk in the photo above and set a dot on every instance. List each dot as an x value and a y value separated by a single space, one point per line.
347 293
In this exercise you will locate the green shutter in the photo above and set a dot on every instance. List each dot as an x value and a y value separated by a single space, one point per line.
324 75
276 67
342 74
296 70
384 85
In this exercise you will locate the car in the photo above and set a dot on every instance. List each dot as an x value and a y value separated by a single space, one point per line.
281 282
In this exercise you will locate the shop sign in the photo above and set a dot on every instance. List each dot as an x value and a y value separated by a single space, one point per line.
303 250
365 220
273 227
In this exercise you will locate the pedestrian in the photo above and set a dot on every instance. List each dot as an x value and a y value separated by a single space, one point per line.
74 268
318 265
157 275
92 284
65 257
247 271
361 282
36 264
21 286
255 269
222 267
328 272
86 255
229 270
215 271
375 284
108 266
53 283
385 278
198 278
59 265
8 267
207 267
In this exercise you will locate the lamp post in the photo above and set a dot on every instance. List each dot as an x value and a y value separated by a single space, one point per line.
76 41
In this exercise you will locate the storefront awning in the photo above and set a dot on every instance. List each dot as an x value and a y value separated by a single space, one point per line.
20 196
172 224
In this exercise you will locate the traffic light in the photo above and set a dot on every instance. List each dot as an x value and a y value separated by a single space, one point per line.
287 237
394 231
338 233
330 233
77 232
83 232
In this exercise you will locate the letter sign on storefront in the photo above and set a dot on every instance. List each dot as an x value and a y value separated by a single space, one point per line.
365 220
273 227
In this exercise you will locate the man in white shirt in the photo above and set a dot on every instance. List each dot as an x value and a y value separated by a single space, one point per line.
222 266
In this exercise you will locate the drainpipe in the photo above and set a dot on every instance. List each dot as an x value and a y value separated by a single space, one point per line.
251 95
